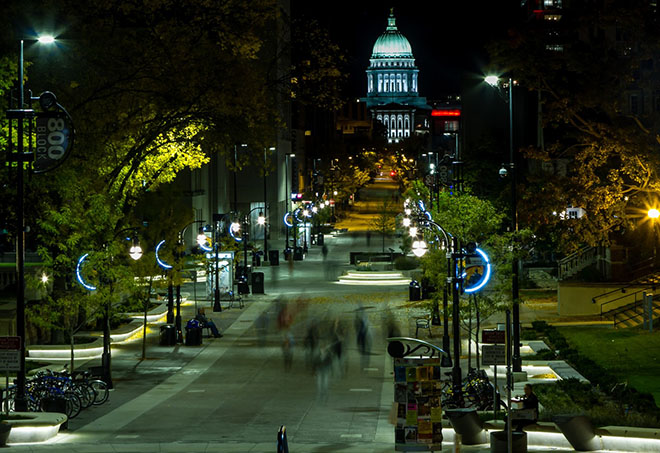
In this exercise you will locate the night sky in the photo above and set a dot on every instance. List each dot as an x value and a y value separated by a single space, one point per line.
447 37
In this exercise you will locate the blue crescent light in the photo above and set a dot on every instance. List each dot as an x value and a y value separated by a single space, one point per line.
421 205
79 276
296 214
160 262
428 215
286 222
231 233
484 278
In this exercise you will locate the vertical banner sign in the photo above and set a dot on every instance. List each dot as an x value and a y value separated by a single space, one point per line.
54 139
224 263
10 353
417 402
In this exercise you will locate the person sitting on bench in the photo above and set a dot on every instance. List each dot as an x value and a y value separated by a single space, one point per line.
528 414
206 322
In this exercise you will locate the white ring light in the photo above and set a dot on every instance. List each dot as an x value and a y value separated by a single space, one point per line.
160 262
84 284
231 233
206 248
484 278
287 223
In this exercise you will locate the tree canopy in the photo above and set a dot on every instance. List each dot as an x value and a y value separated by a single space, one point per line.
608 146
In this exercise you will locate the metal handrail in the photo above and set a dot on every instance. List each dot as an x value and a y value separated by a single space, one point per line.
618 321
621 297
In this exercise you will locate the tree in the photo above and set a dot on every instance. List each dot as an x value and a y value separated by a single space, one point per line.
611 150
385 221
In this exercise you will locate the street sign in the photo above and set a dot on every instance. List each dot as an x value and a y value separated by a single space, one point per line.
493 354
493 336
10 353
54 139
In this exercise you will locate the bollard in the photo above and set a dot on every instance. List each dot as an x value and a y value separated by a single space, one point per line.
282 445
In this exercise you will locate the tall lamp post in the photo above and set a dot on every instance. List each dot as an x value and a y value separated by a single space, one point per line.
135 253
18 111
516 359
653 214
201 241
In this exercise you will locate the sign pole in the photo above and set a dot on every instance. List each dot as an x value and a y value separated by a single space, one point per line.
495 402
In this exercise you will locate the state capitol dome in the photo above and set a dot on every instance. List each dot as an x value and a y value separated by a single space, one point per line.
391 43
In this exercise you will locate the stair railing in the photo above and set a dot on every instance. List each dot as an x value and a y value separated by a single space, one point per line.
576 261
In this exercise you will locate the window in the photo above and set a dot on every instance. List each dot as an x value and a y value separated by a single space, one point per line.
398 82
380 82
451 125
386 84
405 83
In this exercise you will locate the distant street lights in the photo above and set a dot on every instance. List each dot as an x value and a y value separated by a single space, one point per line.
495 81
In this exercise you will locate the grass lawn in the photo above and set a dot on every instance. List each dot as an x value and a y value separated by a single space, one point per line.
632 355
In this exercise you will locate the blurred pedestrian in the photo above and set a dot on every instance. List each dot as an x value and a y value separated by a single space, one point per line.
323 368
363 335
261 326
311 343
287 350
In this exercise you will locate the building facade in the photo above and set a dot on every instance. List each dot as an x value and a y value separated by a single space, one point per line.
393 85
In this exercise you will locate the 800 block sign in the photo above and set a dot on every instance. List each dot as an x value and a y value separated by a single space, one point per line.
53 140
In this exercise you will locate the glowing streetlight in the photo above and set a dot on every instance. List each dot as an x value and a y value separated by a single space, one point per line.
406 222
419 248
653 213
413 231
135 251
44 278
261 220
492 80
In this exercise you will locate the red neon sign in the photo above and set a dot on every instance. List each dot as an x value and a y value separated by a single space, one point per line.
454 112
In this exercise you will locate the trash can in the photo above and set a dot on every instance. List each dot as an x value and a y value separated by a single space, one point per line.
274 257
243 287
298 254
414 291
167 335
257 282
193 333
319 239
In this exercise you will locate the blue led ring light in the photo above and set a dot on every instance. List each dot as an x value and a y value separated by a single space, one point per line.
484 278
288 223
160 262
84 284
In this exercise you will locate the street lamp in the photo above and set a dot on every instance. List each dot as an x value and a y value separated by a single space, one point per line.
494 81
18 112
201 241
653 214
106 356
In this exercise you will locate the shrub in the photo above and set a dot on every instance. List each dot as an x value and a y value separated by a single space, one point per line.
540 326
405 263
